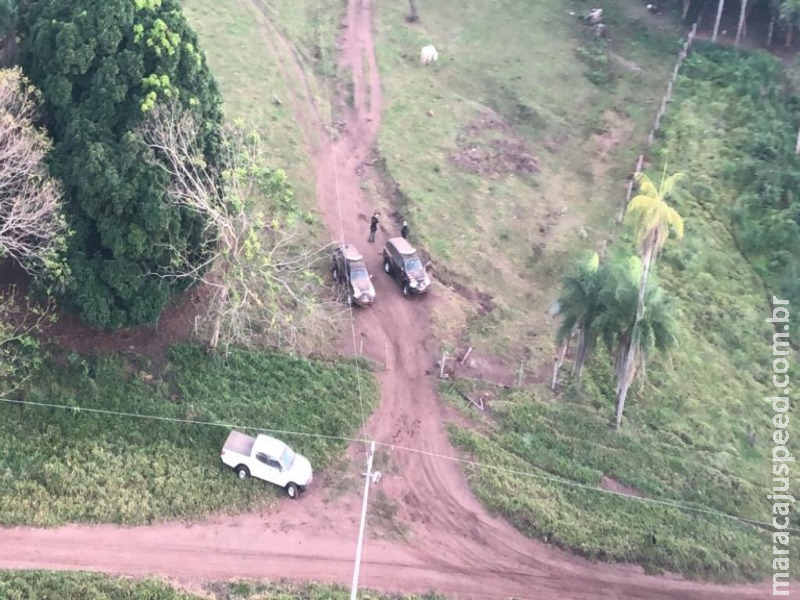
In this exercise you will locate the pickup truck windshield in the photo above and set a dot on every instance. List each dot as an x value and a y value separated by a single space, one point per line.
287 460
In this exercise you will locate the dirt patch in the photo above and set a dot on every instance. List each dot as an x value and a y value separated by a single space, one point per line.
612 485
615 130
67 331
489 147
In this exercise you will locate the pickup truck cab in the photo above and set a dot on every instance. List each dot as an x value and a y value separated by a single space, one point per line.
267 458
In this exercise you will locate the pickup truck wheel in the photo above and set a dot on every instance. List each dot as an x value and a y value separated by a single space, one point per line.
242 472
291 491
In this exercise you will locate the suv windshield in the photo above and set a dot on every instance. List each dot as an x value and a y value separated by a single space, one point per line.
359 274
287 460
413 265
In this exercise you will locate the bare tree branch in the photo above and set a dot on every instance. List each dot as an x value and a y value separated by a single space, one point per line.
264 280
32 227
20 319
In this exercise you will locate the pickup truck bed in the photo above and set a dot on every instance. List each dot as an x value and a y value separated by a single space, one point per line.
239 443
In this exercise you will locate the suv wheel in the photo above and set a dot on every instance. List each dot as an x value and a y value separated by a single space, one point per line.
335 273
406 289
387 267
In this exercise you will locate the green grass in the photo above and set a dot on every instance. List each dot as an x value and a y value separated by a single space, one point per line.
236 39
511 236
73 466
49 585
697 431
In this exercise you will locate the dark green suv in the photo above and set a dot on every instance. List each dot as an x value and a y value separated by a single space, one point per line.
400 260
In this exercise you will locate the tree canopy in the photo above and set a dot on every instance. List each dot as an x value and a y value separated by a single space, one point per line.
101 67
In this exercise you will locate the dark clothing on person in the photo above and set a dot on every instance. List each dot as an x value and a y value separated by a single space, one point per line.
373 228
404 231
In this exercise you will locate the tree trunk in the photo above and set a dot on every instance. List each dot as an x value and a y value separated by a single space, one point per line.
588 344
720 6
770 31
581 350
412 14
8 58
220 310
562 353
624 379
797 145
686 5
742 20
646 260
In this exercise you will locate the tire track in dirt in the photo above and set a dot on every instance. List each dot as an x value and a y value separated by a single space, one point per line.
455 547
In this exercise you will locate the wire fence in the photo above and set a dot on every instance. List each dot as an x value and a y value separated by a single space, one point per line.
662 109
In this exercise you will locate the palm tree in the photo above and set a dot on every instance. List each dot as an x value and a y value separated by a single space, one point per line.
9 20
742 16
653 219
579 305
632 337
720 6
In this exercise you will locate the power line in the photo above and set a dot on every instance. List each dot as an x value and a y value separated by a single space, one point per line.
472 463
80 409
583 486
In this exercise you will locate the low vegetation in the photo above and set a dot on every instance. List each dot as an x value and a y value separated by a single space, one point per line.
48 585
75 466
697 428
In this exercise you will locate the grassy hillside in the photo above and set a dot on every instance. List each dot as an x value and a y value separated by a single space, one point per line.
698 430
48 585
511 152
74 466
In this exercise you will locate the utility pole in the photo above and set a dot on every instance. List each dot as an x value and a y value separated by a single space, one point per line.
368 478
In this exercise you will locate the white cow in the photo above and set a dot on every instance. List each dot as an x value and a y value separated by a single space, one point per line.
428 55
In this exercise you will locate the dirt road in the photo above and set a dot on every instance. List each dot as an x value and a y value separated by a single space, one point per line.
453 545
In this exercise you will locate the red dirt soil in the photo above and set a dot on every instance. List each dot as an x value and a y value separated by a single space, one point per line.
453 545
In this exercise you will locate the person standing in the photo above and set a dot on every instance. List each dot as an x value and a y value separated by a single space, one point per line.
373 227
404 230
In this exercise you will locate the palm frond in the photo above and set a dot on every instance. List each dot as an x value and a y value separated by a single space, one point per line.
646 185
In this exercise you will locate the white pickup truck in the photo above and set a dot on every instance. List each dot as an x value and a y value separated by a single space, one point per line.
269 459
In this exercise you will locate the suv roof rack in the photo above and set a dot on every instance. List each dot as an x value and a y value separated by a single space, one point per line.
402 245
351 253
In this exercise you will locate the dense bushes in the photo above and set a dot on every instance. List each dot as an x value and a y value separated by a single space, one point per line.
754 182
100 67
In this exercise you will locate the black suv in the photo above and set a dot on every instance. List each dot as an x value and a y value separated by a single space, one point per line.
350 271
400 260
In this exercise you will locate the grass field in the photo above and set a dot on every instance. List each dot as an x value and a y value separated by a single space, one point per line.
48 585
697 431
509 73
74 466
236 39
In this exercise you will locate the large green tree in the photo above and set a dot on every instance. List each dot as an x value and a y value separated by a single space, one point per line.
101 66
9 19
